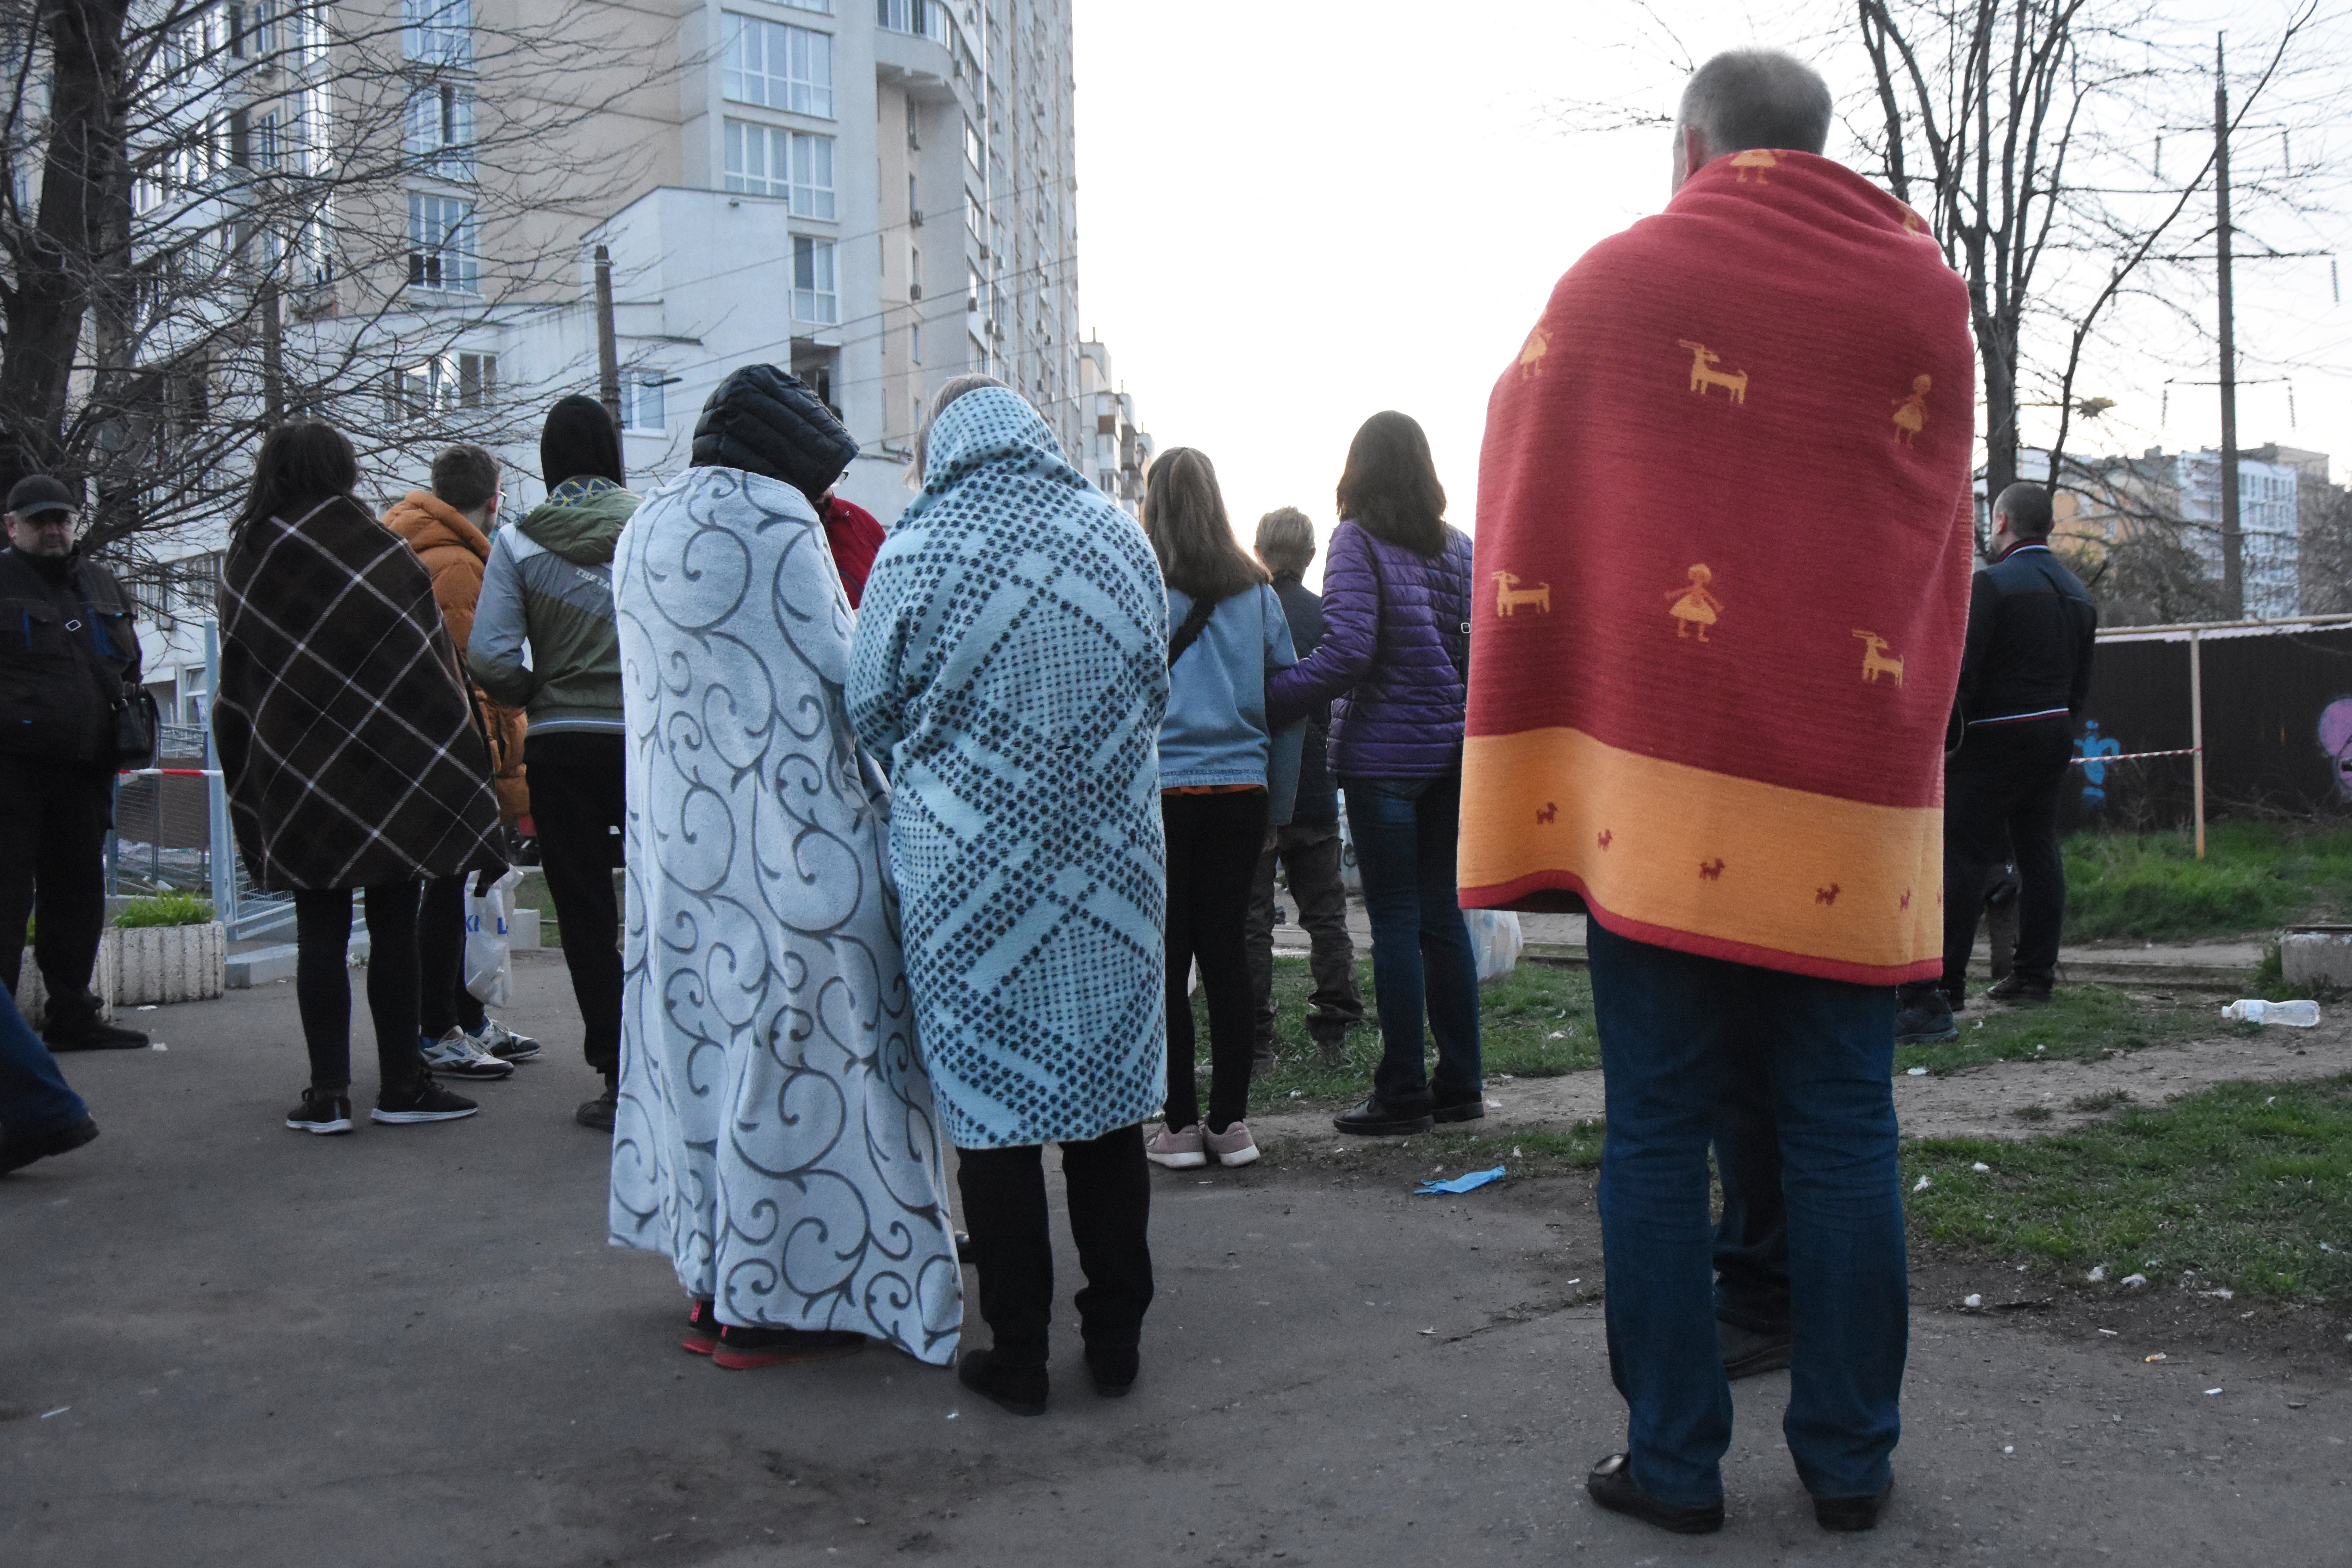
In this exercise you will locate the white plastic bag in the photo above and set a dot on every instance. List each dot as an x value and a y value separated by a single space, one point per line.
1495 938
1351 875
489 948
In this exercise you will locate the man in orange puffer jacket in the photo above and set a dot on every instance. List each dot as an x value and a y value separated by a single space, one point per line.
448 526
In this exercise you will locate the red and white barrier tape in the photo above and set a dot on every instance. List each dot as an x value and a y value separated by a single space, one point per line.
2135 756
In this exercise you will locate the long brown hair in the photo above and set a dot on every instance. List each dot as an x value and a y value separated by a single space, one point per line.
1390 485
302 460
1184 517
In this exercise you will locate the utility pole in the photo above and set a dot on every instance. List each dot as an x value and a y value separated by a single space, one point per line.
2233 578
608 352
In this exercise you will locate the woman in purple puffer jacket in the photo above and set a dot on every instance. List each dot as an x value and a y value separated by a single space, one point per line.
1395 663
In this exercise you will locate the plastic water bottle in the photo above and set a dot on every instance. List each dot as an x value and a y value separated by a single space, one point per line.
2294 1014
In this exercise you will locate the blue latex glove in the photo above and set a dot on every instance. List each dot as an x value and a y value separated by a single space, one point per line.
1460 1184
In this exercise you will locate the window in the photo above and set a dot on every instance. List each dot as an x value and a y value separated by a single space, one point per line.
314 245
441 129
914 273
972 150
914 127
442 249
437 32
780 67
971 218
814 299
974 285
417 390
925 18
641 402
477 380
914 206
915 343
769 160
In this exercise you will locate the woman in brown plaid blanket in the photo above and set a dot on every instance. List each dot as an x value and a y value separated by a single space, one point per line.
351 756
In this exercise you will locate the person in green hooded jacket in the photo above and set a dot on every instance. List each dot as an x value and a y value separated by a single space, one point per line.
549 584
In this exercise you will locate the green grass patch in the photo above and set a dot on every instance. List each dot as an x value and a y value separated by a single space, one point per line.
2245 1187
1535 1022
169 909
2256 876
2080 1023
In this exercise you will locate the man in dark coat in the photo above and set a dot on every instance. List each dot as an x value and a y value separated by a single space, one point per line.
68 653
1308 846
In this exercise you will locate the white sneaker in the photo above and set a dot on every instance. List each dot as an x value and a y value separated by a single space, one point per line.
1234 1146
505 1044
460 1055
1177 1151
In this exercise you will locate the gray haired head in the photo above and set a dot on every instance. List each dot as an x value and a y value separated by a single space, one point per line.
1285 541
1744 99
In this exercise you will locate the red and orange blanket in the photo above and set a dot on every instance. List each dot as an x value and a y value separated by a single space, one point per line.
1724 553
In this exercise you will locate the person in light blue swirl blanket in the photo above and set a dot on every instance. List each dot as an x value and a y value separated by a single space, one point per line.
1011 665
774 1132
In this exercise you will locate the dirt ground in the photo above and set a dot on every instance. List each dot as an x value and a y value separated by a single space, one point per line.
231 1344
1982 1102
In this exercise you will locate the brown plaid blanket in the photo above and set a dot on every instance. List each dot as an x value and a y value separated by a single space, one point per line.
347 743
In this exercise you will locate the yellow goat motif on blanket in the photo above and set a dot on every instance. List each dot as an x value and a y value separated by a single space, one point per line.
1509 595
1876 661
1704 374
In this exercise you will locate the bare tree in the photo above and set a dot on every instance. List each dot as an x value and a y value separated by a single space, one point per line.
2028 132
215 215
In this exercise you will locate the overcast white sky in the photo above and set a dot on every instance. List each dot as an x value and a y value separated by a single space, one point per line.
1292 216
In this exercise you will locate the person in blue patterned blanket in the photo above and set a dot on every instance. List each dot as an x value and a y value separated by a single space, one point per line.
1011 668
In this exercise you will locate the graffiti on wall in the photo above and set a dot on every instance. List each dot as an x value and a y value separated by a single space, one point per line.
2094 748
2335 740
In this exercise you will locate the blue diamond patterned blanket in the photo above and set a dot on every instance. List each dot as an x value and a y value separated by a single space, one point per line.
1011 664
775 1134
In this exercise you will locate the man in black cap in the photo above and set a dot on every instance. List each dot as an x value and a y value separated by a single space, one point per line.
67 654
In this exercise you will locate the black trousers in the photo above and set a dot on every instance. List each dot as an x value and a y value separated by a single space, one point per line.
2000 796
53 864
577 803
1213 849
1309 854
1108 1184
322 981
443 1003
1751 1240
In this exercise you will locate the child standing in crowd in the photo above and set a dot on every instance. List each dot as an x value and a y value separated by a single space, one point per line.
350 756
1394 665
1308 846
549 584
448 526
1011 666
1224 780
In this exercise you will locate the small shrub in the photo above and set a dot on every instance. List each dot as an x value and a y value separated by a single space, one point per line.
170 910
2033 1113
2106 1099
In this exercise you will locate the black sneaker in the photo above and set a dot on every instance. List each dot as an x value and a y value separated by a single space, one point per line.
1469 1110
1925 1022
18 1152
1746 1352
1612 1487
1852 1513
322 1110
423 1100
2017 988
1374 1120
598 1114
1019 1391
89 1032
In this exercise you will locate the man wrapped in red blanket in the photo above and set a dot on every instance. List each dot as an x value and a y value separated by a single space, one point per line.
1724 543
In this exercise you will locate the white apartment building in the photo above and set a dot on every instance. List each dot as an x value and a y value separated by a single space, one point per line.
879 195
2269 531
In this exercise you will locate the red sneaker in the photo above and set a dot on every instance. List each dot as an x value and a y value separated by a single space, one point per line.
701 1327
739 1350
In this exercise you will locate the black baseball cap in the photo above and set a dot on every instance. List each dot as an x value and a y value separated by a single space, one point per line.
37 493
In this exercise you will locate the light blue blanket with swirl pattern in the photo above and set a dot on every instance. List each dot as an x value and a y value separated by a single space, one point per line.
775 1134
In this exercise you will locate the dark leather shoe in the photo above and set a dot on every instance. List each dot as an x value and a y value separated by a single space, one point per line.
1612 1485
91 1033
1747 1352
600 1112
2017 988
1114 1370
1926 1022
1374 1120
1469 1110
1021 1391
1852 1513
17 1153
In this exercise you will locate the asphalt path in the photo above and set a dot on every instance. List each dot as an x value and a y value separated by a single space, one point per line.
229 1344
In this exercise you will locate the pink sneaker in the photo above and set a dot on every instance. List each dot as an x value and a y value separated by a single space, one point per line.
1178 1151
1234 1146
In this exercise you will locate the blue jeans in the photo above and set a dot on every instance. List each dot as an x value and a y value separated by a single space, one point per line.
33 1093
1675 1030
1404 831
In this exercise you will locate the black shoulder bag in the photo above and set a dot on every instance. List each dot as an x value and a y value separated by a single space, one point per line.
1188 632
137 726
